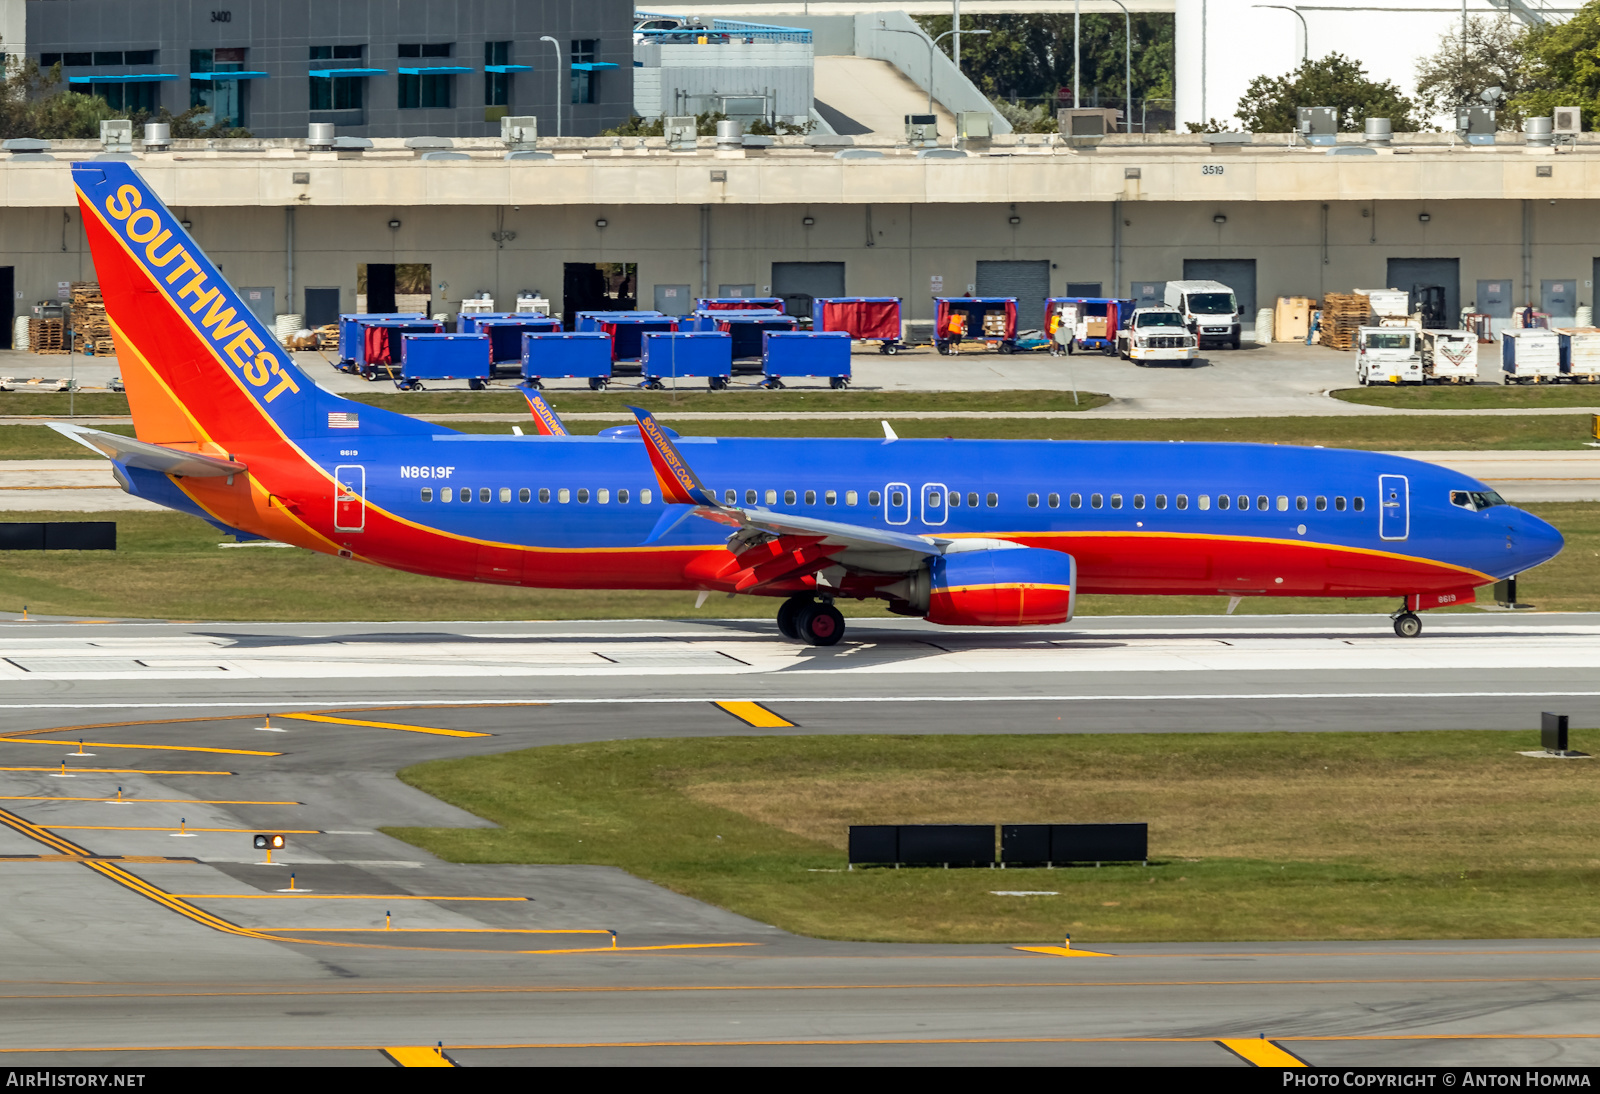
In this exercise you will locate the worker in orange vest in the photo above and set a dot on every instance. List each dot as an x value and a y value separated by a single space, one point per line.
955 329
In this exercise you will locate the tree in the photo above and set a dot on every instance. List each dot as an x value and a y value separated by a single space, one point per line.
33 103
1029 57
1561 67
1270 102
1492 56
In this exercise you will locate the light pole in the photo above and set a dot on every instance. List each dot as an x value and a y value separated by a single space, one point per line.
1305 31
559 66
932 42
1127 71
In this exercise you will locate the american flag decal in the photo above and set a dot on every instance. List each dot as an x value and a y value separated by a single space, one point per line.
343 419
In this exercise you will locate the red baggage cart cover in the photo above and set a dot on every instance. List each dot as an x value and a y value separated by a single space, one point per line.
865 319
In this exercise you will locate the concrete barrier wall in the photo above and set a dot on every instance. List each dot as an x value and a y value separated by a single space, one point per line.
909 53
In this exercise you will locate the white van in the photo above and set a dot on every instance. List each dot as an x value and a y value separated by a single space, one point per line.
1210 309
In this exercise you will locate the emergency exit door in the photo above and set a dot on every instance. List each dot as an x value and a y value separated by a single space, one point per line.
1394 507
350 497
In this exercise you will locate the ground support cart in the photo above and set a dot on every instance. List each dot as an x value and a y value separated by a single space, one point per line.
805 353
746 329
1449 357
628 331
680 354
592 320
573 355
467 321
864 318
739 303
505 336
1530 355
1580 354
991 320
1092 322
381 350
350 355
444 357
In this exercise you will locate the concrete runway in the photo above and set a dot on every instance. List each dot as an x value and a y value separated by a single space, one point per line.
176 949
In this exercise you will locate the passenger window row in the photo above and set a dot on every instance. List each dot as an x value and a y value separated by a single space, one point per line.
562 495
1263 502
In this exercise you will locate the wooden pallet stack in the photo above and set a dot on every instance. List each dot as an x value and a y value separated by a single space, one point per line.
91 330
47 336
1342 316
328 336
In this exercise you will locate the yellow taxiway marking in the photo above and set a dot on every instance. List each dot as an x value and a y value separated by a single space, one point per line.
753 714
168 828
384 725
163 801
429 930
159 748
813 1041
1261 1052
418 1056
95 858
1060 951
642 949
115 771
333 896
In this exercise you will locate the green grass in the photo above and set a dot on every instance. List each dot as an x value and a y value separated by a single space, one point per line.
735 400
1254 836
169 566
58 403
1472 397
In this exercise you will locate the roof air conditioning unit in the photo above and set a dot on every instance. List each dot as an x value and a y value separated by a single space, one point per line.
116 135
922 130
680 133
1318 125
974 125
1475 124
519 134
1568 124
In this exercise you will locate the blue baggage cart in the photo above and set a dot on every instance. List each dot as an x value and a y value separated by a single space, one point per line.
444 357
579 355
467 322
505 335
806 353
591 320
379 344
745 328
350 355
678 354
627 330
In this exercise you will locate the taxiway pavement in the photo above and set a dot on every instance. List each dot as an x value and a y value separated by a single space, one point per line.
150 932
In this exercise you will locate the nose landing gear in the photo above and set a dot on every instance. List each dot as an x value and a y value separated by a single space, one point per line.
1407 624
804 618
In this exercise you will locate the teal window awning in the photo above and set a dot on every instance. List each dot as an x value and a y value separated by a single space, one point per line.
216 77
508 68
437 70
592 66
132 78
345 73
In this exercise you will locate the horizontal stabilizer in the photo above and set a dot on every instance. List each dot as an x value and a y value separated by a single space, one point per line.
150 457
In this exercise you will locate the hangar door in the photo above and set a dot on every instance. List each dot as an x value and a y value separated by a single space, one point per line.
1420 276
799 283
1239 274
1029 282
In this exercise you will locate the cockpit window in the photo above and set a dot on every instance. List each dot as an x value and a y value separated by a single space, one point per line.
1475 499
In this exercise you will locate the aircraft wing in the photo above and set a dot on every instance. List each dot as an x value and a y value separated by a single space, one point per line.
808 543
150 457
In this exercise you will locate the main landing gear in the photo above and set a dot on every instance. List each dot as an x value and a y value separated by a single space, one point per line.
1407 624
804 618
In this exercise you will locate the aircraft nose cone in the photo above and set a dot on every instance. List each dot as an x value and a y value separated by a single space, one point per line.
1533 541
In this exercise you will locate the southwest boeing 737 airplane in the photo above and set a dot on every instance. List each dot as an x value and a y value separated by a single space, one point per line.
991 533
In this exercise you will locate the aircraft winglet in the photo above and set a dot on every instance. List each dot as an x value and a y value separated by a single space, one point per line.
679 484
544 415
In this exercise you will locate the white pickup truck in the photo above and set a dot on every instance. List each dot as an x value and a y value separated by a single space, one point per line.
1156 334
1388 355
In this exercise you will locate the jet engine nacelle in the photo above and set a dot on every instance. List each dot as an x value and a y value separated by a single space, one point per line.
1020 587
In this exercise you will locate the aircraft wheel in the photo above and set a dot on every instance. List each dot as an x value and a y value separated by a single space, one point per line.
1407 625
789 615
820 624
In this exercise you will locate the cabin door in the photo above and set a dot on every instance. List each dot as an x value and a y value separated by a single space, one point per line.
349 499
1394 507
